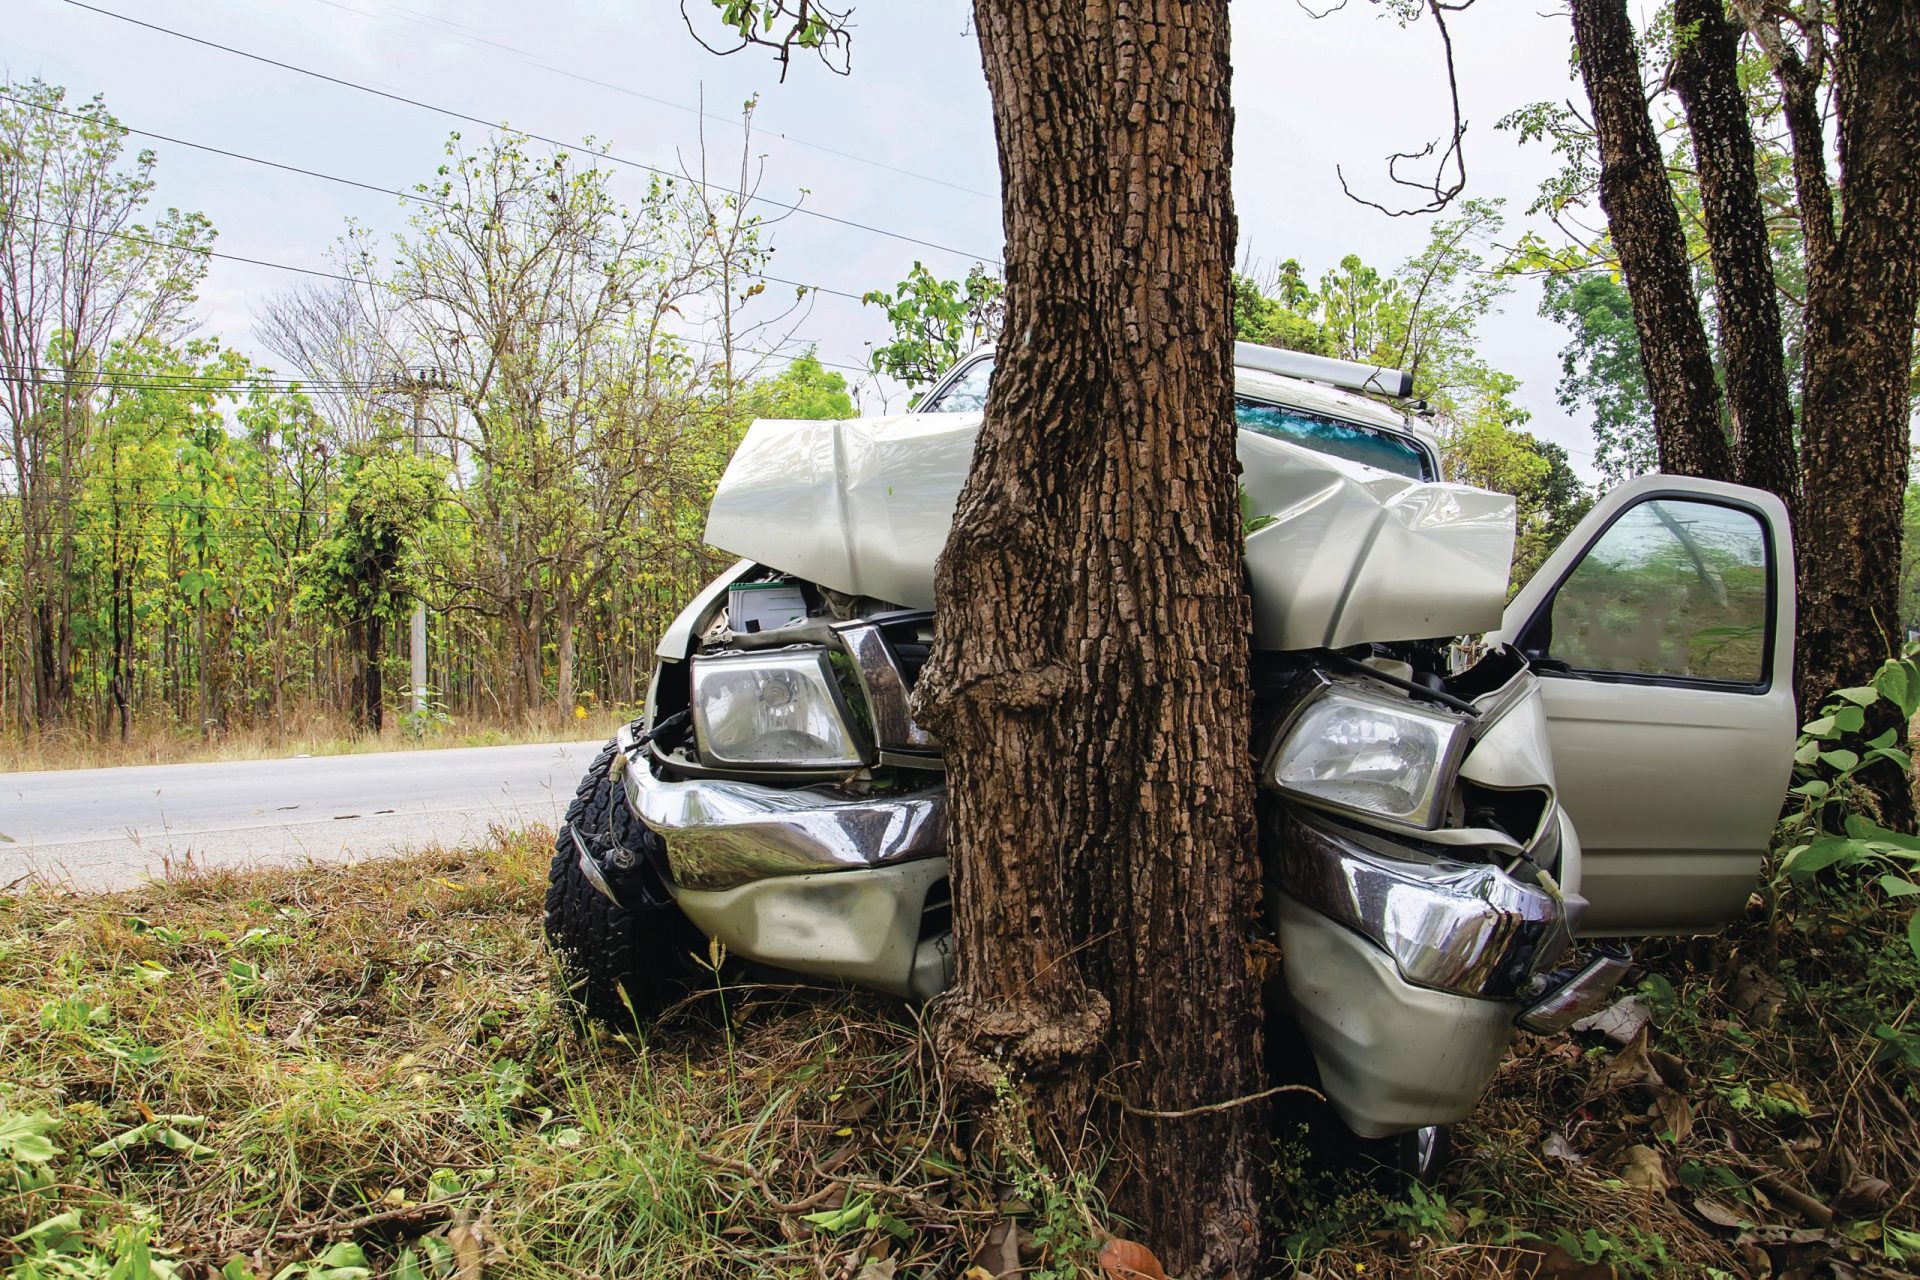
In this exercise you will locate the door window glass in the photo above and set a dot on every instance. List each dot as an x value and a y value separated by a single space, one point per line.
1673 588
965 394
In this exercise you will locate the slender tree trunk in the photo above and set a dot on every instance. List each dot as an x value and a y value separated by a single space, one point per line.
1089 676
1707 75
563 633
372 682
1859 351
526 639
357 644
1638 201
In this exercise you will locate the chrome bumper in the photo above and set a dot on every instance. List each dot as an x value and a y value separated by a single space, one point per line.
721 833
1460 927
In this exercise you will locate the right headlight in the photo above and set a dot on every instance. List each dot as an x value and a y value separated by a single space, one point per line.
779 707
1370 753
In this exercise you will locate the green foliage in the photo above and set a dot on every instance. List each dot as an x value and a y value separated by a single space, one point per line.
936 321
804 389
1423 317
1486 450
786 25
193 545
1600 370
1277 321
1829 827
61 1248
363 567
1839 861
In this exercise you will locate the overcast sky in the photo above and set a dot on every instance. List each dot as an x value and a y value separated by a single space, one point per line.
904 144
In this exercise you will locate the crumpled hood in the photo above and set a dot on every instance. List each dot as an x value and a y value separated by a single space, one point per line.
1351 555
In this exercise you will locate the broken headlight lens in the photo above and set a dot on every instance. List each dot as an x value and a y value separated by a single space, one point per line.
781 707
1368 753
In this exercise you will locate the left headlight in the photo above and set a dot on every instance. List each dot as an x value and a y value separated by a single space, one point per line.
1349 747
781 708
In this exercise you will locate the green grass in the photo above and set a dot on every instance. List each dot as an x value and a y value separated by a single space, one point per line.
335 1072
375 1057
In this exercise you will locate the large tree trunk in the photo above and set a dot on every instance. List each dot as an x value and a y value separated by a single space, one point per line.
1859 348
1089 677
1638 201
1707 75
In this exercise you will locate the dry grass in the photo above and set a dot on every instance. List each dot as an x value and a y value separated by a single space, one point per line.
373 1058
375 1055
311 731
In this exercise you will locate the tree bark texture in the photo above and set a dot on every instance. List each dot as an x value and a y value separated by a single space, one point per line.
1645 225
1089 677
1859 347
1707 75
1799 78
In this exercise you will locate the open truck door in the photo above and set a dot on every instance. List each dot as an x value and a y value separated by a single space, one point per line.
1662 633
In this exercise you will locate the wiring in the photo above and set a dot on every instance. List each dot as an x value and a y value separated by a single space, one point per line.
412 197
611 157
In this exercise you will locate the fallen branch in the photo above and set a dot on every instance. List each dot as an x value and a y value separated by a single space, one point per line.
1212 1107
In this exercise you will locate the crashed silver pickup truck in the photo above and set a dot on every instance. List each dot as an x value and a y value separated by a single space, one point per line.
1446 842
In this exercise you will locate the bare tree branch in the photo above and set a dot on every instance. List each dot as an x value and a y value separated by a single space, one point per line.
1442 188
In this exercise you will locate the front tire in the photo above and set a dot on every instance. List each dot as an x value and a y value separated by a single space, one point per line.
1416 1158
622 964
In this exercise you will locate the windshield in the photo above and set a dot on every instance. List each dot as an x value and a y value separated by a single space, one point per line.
1370 446
1350 441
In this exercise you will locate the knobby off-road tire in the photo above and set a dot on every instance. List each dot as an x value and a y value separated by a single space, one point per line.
619 966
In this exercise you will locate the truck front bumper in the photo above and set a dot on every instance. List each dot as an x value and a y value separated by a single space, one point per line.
1407 974
721 833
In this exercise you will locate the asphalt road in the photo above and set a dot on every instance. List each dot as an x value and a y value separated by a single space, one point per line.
109 828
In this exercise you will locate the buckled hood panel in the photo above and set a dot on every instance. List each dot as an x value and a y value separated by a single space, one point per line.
1352 554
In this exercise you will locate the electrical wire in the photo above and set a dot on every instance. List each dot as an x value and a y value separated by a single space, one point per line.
461 31
450 113
186 248
413 197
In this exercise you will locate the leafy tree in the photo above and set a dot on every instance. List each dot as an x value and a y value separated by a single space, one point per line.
1485 447
1600 371
83 271
1851 72
935 322
363 572
1277 321
1644 226
804 389
542 306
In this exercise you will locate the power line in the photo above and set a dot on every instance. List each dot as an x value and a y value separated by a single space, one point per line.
553 142
413 197
187 248
462 32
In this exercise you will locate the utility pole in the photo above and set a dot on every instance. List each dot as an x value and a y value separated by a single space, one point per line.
419 382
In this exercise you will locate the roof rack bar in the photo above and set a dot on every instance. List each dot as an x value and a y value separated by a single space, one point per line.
1349 374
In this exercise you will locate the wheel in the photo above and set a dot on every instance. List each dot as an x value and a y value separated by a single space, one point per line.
1416 1158
1390 1165
624 963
